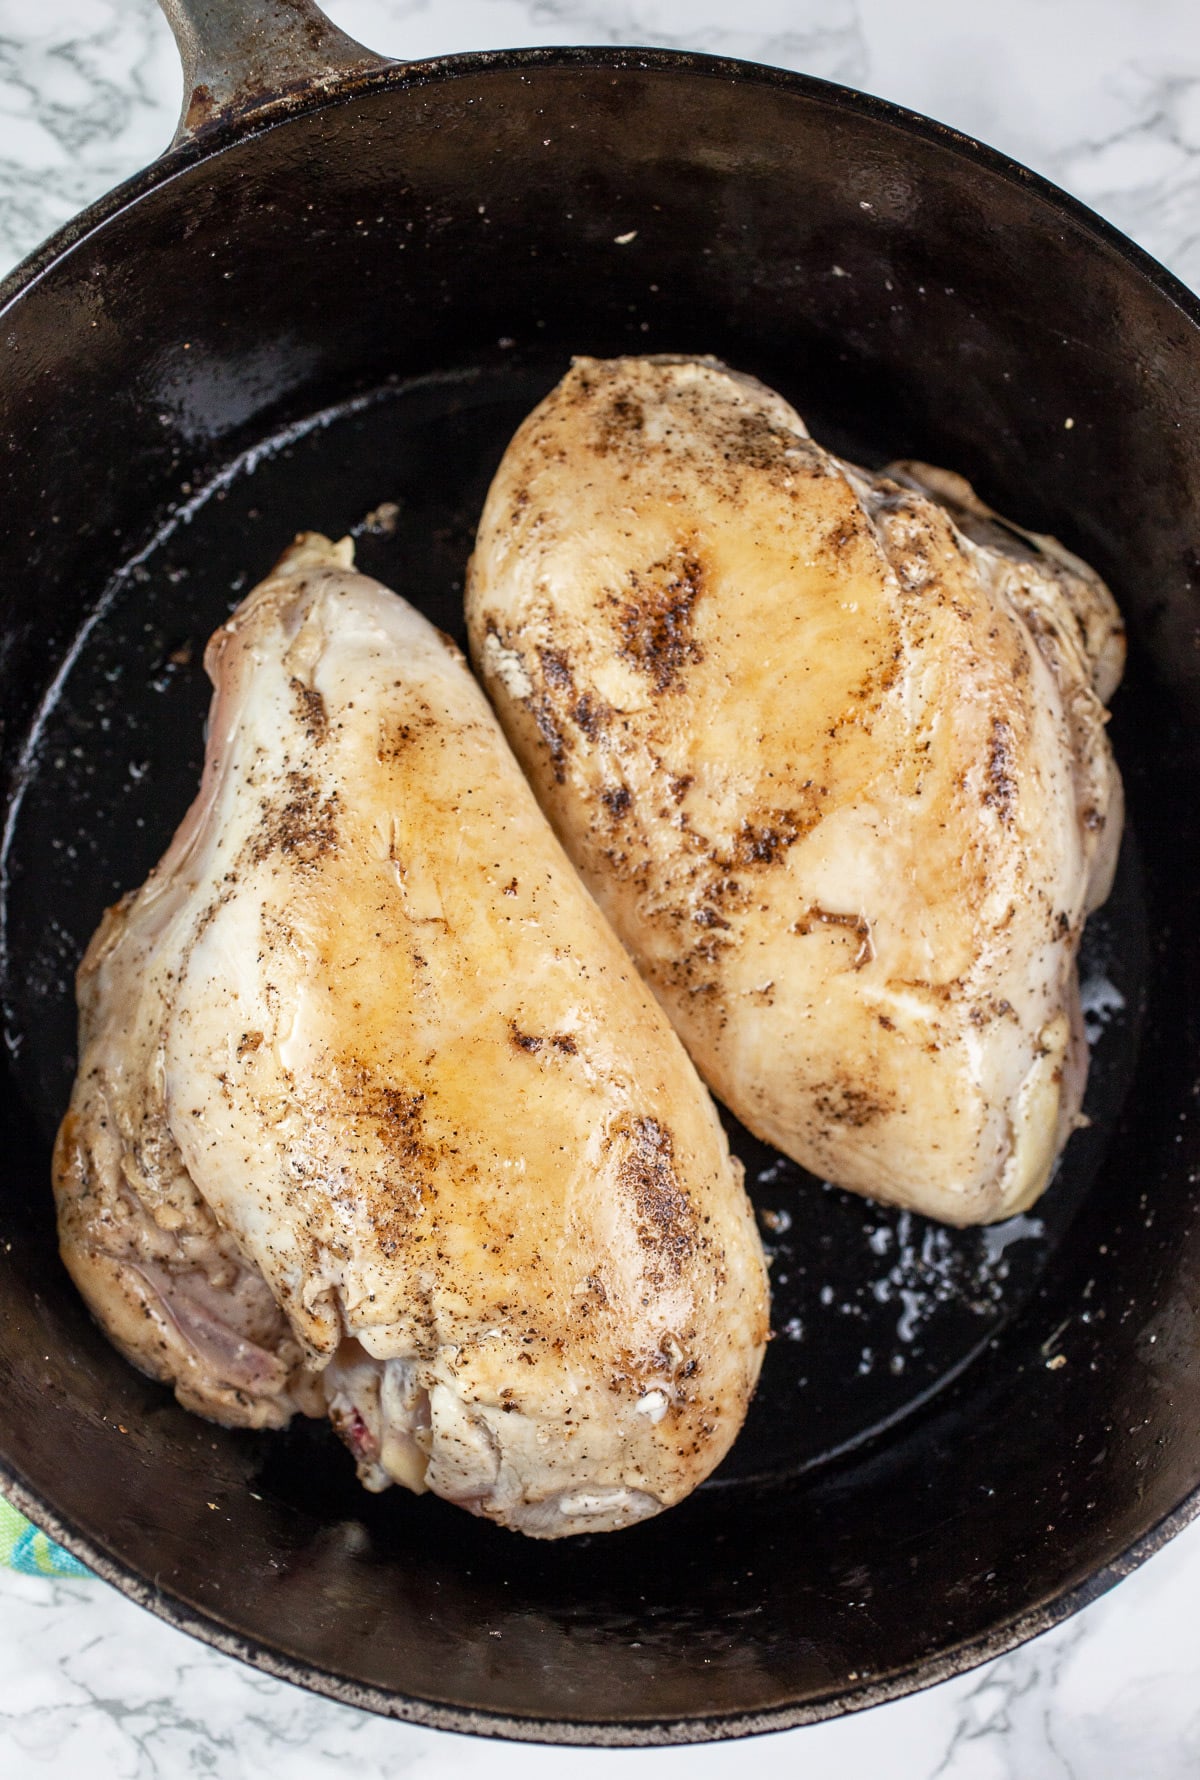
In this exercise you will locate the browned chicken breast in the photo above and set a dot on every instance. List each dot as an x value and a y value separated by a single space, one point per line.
828 747
374 1114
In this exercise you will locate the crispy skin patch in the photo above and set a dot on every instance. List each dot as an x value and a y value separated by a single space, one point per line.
666 1220
616 800
394 740
562 1042
556 670
755 442
542 710
590 715
310 710
654 621
620 425
1001 793
765 841
849 1104
300 824
560 713
396 1195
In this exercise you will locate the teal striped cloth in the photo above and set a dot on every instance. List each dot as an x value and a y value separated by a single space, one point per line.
24 1548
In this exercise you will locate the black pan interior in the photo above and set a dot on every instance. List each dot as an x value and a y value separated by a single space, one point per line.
954 1429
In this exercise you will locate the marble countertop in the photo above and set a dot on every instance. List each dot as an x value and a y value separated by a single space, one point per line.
1104 97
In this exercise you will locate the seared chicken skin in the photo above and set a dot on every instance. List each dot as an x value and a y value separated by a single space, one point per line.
373 1112
828 747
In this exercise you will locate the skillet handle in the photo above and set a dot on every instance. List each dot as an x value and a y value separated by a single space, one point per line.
238 55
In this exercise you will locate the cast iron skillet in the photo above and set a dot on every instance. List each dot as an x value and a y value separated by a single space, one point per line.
343 286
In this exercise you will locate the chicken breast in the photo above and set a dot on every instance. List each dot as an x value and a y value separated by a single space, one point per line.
828 747
374 1114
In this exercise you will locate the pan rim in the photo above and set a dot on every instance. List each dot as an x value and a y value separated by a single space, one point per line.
617 1733
177 161
282 109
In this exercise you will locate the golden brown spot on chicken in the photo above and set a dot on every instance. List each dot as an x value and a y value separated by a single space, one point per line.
840 535
708 917
654 624
544 715
666 1221
556 669
590 715
1002 787
301 825
755 441
764 842
310 709
395 1116
394 739
847 1103
984 1012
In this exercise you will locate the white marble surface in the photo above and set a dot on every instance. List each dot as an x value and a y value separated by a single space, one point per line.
1104 97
